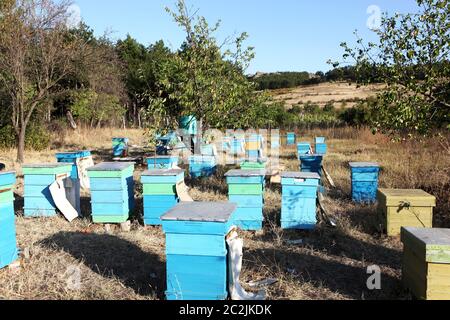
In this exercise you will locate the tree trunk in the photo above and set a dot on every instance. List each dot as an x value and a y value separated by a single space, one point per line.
72 122
21 145
198 145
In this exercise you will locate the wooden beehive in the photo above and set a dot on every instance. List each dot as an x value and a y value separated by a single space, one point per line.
8 244
405 208
37 181
160 193
299 200
246 189
291 138
311 163
120 147
112 191
162 162
196 250
426 262
364 177
303 148
202 166
320 146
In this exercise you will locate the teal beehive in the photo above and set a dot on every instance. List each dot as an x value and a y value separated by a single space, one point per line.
311 163
189 125
8 244
202 166
112 191
246 189
120 147
38 178
299 200
196 250
291 138
321 146
162 162
160 193
303 148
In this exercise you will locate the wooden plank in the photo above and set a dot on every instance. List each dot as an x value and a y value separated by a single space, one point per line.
433 243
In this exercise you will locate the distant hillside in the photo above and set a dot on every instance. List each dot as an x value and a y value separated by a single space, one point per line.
341 94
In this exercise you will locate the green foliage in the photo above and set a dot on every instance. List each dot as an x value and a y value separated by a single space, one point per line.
412 59
37 137
90 106
281 80
203 81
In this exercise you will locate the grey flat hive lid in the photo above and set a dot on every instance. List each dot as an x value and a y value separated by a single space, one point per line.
431 237
201 212
46 165
364 164
245 173
163 172
111 166
300 175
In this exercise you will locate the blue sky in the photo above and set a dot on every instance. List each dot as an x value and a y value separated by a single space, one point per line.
288 35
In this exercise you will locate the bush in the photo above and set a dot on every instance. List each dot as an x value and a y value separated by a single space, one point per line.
37 137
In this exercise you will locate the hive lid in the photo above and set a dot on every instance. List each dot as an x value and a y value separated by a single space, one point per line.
7 172
201 212
314 155
402 197
45 165
431 244
245 173
111 166
163 172
300 175
162 157
364 165
74 152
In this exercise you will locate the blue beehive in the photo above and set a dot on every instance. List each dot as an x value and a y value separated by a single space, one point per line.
196 250
303 148
160 194
364 181
72 157
311 163
237 146
275 142
37 181
321 146
120 147
202 166
299 200
8 244
112 191
291 138
162 162
246 189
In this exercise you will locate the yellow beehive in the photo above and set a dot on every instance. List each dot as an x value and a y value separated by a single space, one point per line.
405 208
426 262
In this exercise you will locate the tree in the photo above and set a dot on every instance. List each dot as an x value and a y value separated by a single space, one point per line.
205 80
412 59
36 54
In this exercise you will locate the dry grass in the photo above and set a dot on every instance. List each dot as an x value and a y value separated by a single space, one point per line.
343 94
330 264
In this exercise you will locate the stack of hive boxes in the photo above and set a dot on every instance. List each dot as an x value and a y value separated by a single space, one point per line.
160 193
37 181
299 200
246 189
303 148
405 208
8 244
162 162
112 192
260 164
196 250
311 163
364 181
426 262
291 138
202 166
321 146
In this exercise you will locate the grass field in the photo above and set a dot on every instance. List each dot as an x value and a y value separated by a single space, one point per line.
330 264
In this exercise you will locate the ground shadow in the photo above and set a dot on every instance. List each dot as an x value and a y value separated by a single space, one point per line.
345 279
111 256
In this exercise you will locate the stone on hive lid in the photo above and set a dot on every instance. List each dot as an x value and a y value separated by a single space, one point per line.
201 212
